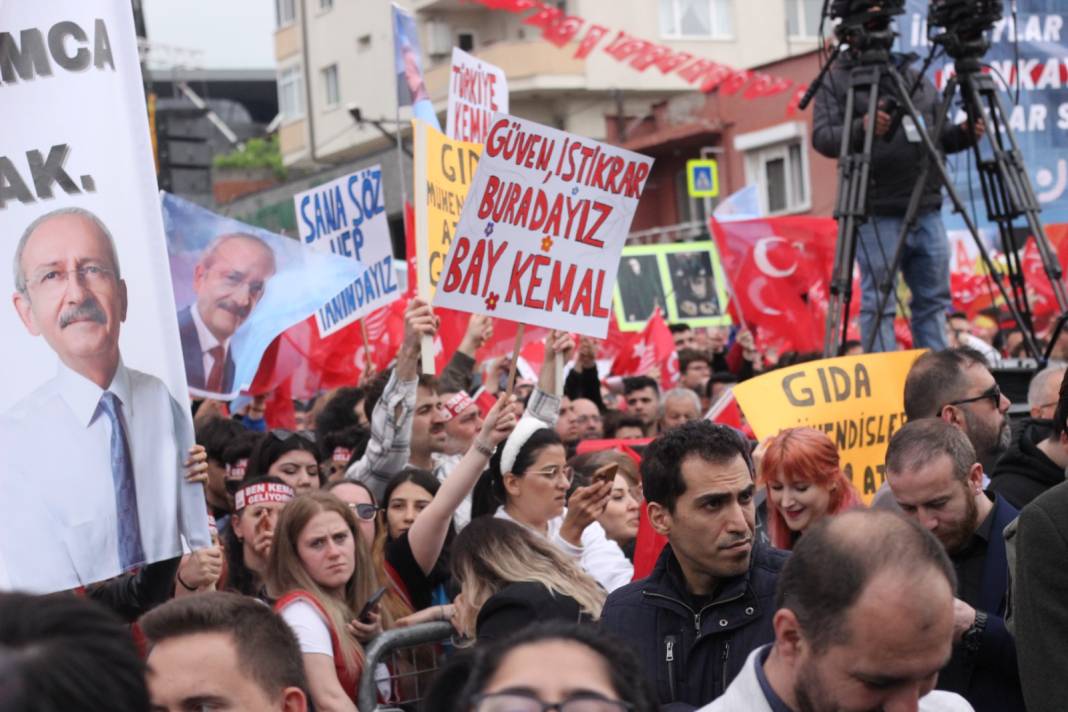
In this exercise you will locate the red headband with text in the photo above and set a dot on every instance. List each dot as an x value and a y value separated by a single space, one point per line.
457 404
260 492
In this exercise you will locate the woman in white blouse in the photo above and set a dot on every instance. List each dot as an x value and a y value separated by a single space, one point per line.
530 478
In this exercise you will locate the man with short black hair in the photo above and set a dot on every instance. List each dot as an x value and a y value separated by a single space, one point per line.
67 653
936 480
709 600
695 367
683 336
853 630
643 401
222 651
215 434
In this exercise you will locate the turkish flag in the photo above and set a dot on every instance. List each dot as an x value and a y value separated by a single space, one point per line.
654 346
780 270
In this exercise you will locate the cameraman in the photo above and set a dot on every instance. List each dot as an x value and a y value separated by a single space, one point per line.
897 157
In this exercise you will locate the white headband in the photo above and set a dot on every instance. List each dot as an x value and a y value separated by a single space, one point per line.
526 427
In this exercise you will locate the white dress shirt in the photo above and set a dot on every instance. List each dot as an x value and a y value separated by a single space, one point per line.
59 527
207 343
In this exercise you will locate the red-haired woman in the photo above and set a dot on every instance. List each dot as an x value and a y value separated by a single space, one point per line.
804 482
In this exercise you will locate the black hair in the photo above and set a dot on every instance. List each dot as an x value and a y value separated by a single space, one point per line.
661 468
637 383
216 433
373 392
340 411
64 652
353 438
627 676
848 345
241 447
832 564
936 378
239 577
420 478
269 449
679 328
1060 415
718 378
919 442
266 648
620 420
489 491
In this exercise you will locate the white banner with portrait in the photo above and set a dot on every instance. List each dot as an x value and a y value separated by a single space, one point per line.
94 418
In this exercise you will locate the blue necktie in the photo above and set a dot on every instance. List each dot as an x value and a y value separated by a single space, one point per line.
130 551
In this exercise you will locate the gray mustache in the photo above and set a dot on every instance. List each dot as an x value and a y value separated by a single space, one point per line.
233 308
89 310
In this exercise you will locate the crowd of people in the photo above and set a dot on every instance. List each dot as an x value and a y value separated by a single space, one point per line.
410 499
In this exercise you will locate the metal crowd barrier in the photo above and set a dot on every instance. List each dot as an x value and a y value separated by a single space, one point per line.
412 656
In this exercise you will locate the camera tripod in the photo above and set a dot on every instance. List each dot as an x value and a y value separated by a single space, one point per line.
854 174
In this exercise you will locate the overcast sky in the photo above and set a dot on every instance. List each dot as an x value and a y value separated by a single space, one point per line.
233 34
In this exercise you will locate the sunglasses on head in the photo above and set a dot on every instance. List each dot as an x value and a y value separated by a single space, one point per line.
364 511
993 394
283 435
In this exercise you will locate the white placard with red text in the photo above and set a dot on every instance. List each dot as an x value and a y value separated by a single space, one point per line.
541 231
477 90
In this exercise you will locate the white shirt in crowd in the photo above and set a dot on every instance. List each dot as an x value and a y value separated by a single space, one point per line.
599 556
207 342
60 528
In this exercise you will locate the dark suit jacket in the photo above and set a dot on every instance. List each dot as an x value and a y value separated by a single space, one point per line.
1040 606
193 354
990 680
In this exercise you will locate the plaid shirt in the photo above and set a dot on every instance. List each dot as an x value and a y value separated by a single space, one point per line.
391 434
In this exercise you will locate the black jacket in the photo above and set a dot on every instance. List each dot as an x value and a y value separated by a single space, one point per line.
1040 608
989 679
895 163
1024 471
517 605
691 656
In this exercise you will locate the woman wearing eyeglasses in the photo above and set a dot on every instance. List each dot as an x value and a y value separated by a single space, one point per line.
529 478
800 469
321 575
510 576
291 456
560 667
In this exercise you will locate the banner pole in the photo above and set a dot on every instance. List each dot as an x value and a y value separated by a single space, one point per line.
515 360
366 346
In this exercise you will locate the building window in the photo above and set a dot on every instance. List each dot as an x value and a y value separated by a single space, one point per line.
326 5
331 89
291 93
285 12
465 41
695 18
363 43
781 173
803 19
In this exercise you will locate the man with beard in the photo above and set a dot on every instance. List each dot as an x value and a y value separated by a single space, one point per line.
935 479
229 281
91 461
855 631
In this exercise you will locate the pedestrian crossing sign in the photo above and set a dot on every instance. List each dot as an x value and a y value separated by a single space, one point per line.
702 178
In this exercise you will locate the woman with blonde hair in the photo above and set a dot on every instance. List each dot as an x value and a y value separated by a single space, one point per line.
804 480
321 575
510 577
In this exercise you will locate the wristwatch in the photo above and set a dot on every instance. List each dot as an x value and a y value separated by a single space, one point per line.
973 637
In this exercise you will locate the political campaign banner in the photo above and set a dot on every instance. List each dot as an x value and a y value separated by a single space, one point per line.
477 89
542 228
684 280
237 287
408 66
444 170
859 401
1026 59
95 423
347 217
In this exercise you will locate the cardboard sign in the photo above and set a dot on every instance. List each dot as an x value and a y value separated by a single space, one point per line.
347 216
477 89
94 417
541 232
444 170
684 280
859 401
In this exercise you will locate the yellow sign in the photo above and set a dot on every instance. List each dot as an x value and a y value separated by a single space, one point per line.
857 400
444 168
702 178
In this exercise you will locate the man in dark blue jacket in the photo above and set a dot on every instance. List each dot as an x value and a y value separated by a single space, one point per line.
934 476
710 599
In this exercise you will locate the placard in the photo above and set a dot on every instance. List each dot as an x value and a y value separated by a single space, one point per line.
477 89
540 234
347 217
